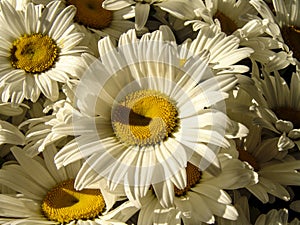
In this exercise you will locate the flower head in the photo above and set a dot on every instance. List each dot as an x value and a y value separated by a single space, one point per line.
147 113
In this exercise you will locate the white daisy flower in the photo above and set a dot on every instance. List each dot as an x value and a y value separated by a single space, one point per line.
144 112
47 195
203 199
279 108
287 16
239 19
222 52
182 9
228 15
38 49
95 21
275 171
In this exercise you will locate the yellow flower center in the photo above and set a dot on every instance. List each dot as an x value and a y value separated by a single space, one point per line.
145 117
291 36
34 53
193 177
289 115
91 14
247 157
64 204
228 26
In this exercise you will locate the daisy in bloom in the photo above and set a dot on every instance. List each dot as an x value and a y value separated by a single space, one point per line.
222 52
229 15
47 195
287 16
38 51
95 21
204 197
278 110
182 9
144 113
275 171
239 19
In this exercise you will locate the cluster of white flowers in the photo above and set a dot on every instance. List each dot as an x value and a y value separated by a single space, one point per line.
149 112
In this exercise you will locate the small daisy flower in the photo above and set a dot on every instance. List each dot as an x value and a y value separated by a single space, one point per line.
228 15
37 51
222 52
47 195
182 9
287 16
95 21
239 19
204 197
147 113
275 171
279 108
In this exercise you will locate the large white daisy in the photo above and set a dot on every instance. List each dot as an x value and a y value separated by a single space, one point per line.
46 195
39 49
287 16
182 9
144 112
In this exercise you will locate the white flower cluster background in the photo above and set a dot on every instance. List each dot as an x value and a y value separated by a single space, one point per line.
174 112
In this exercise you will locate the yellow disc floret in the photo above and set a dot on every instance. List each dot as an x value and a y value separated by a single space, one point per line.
193 175
64 204
145 117
91 14
34 53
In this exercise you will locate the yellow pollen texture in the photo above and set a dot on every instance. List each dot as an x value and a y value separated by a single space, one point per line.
193 177
64 204
228 25
34 53
91 14
291 36
145 118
